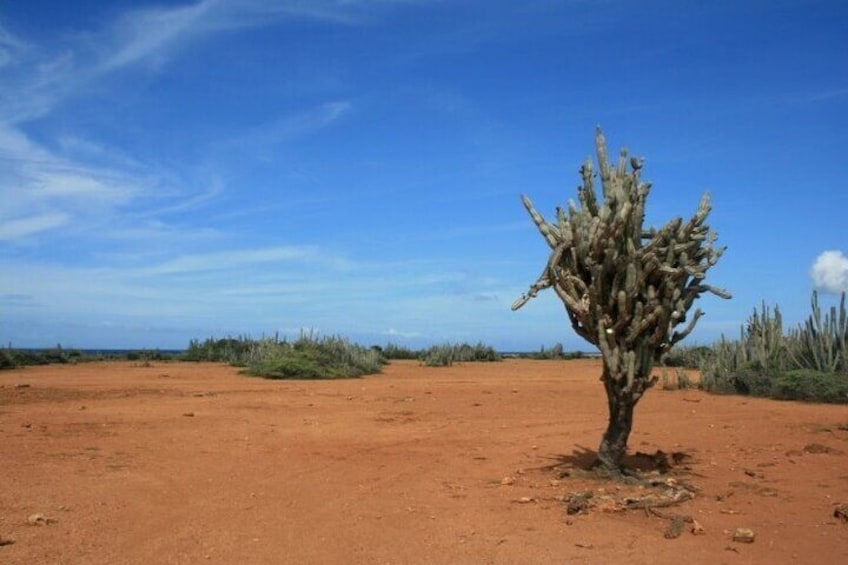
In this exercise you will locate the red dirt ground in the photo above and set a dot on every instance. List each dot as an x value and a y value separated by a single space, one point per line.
194 463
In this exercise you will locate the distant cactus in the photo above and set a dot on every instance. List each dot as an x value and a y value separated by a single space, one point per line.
625 289
766 362
822 344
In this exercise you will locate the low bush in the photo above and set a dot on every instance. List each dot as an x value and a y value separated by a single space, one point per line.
447 354
685 357
311 357
811 386
11 358
226 350
393 351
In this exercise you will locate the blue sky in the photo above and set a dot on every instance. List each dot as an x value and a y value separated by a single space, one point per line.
189 169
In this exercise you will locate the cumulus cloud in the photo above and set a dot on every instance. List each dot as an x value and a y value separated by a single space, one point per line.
830 272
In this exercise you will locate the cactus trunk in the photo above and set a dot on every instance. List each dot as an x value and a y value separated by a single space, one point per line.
613 446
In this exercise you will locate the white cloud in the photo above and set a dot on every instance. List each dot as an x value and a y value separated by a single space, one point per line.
392 332
830 272
828 94
10 46
23 227
146 33
228 260
41 189
261 141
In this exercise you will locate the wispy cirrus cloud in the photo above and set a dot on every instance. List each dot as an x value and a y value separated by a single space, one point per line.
17 228
76 180
827 94
10 46
262 141
231 260
43 190
150 34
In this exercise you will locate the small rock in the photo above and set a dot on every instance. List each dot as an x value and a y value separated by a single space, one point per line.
22 385
188 414
744 535
525 500
841 512
675 528
817 448
6 541
506 481
697 529
39 519
578 502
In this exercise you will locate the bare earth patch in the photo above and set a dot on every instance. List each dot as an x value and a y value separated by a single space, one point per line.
478 463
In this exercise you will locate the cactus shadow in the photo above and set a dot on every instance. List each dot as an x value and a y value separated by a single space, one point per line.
586 459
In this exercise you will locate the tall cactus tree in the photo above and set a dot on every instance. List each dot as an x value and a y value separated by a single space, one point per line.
625 288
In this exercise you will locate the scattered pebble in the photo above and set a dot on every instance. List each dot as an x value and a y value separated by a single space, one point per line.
744 535
526 500
506 481
697 529
188 414
675 529
841 512
817 448
22 385
39 519
6 541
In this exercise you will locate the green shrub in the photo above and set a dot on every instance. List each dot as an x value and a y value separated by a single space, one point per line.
311 357
13 358
447 354
554 352
234 351
685 357
806 384
807 363
394 351
7 359
438 356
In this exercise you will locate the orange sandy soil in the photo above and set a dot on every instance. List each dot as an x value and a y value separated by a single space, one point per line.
195 463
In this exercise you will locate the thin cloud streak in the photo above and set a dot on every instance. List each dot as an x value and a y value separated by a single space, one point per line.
149 34
11 230
230 260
